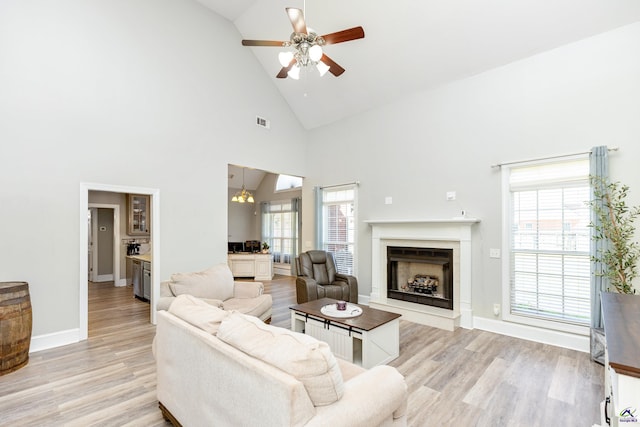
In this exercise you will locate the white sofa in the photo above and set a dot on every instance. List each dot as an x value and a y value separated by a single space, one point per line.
217 287
220 368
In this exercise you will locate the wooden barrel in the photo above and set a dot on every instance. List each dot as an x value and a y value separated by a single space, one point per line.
15 325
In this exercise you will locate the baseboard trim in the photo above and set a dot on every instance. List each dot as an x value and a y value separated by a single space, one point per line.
544 336
121 282
55 339
104 278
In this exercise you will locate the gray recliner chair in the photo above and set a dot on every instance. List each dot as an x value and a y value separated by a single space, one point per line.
318 278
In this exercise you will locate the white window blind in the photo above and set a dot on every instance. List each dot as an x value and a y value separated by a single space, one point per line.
339 226
550 238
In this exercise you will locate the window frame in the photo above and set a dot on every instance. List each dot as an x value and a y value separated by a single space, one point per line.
323 243
288 189
507 224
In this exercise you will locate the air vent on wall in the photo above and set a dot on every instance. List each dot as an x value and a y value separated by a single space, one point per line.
263 123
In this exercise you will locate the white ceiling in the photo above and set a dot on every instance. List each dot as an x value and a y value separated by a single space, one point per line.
413 45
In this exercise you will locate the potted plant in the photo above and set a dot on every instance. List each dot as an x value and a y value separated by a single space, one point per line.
265 248
620 257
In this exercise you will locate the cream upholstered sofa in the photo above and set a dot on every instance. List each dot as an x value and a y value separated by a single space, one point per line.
217 287
220 368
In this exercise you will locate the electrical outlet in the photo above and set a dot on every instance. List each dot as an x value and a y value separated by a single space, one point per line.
494 253
496 309
388 200
451 195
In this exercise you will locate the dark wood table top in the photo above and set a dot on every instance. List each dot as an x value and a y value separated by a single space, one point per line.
621 314
370 318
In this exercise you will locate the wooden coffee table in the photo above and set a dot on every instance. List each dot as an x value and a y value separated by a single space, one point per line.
370 339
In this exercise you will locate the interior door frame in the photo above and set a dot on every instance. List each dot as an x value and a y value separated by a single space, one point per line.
116 242
83 300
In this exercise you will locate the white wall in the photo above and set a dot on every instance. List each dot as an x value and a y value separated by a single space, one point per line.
144 93
563 101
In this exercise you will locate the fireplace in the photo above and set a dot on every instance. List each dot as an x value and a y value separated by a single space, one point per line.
420 275
449 244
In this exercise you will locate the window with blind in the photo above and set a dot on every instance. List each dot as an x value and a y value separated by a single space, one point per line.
549 238
280 230
339 226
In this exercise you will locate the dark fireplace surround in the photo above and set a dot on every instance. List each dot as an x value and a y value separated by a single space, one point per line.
420 275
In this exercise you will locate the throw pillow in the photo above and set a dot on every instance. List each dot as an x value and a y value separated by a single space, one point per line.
198 313
214 283
302 356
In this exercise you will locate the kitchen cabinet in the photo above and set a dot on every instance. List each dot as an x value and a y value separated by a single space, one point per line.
138 206
621 314
258 266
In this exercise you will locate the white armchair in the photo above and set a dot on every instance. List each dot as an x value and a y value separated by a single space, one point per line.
217 287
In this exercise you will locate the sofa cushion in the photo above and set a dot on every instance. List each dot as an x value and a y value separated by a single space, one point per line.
304 357
214 283
198 313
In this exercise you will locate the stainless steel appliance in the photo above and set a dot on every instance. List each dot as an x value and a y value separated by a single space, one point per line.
146 280
136 272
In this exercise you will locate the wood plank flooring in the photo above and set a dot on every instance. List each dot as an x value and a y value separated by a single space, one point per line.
461 378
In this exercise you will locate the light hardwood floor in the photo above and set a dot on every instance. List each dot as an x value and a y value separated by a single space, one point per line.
461 378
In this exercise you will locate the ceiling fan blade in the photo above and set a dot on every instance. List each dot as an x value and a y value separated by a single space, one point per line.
297 20
344 35
262 43
334 68
284 70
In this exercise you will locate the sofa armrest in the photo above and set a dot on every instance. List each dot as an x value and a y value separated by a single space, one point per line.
353 286
306 289
376 396
247 289
164 303
165 290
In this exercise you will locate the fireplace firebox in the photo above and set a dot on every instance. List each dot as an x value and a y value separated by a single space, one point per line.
420 275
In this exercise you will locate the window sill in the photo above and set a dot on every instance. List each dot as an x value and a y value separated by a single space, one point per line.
558 326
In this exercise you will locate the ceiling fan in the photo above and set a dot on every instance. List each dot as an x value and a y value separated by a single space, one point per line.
307 47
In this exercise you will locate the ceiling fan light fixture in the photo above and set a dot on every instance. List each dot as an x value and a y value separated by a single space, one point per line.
294 72
315 53
285 58
322 68
307 47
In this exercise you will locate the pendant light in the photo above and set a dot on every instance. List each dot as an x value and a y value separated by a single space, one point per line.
243 195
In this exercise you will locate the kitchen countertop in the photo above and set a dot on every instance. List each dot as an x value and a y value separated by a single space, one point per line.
143 257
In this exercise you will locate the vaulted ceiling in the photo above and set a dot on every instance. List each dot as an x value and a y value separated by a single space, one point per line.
413 45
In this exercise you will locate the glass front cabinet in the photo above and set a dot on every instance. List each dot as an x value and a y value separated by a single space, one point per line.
138 207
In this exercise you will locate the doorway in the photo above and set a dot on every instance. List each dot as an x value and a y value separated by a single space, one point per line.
103 243
85 188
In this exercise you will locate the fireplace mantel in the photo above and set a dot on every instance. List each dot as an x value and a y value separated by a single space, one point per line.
460 220
454 233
